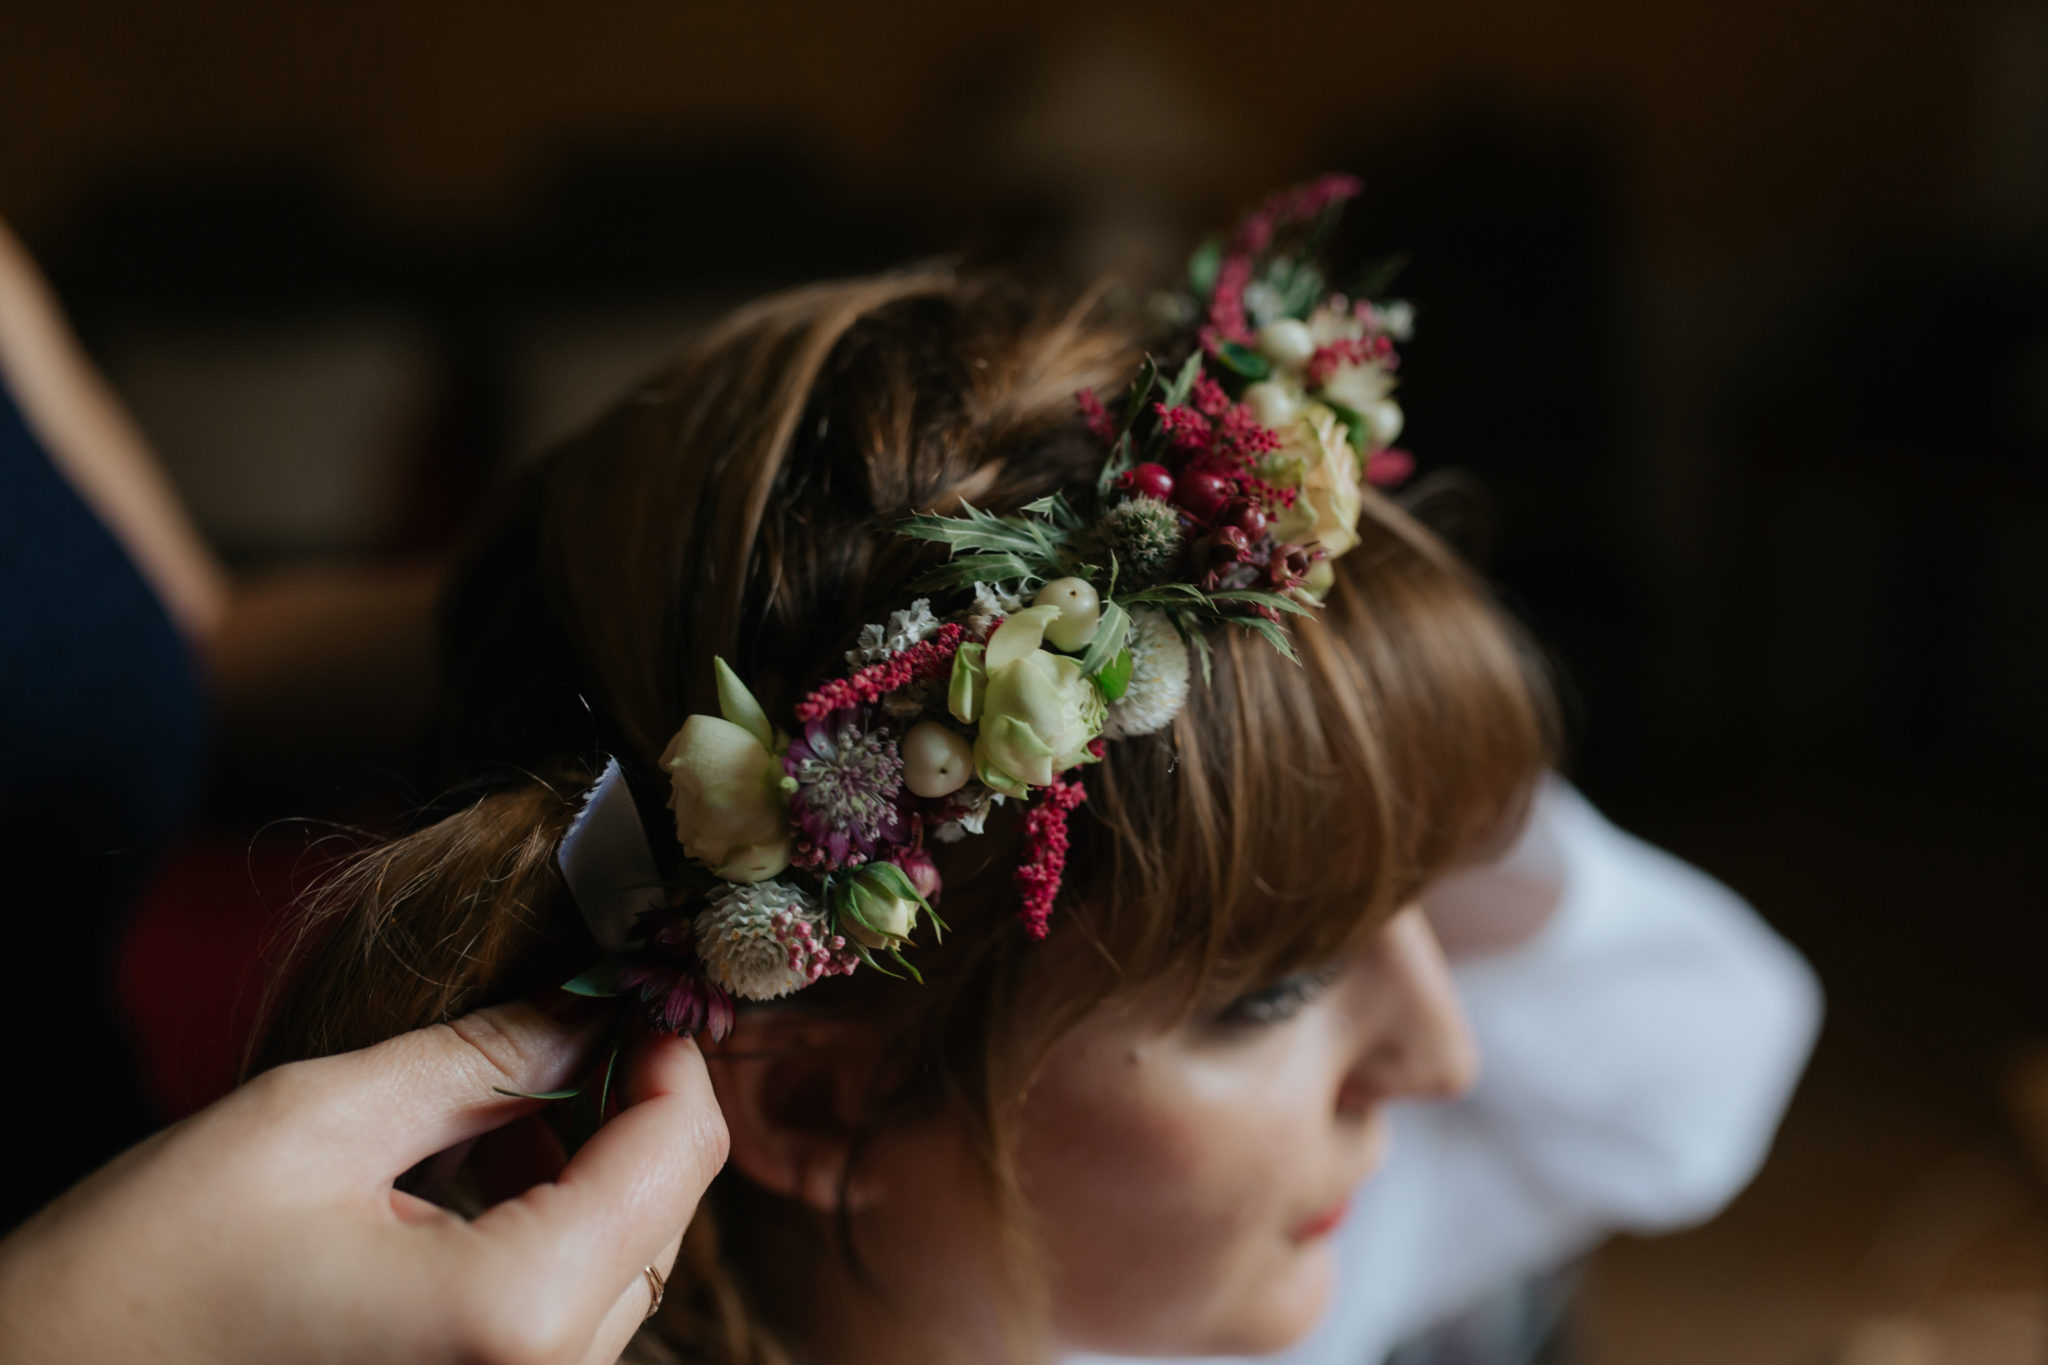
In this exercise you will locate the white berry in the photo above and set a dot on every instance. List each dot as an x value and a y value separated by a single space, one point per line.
1080 612
937 760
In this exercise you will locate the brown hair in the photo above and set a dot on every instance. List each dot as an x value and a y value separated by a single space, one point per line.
738 504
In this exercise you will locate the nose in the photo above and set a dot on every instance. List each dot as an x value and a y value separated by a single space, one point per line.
1414 1041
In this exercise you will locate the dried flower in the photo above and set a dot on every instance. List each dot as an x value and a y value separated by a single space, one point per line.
1159 678
675 998
763 940
912 626
849 785
1145 536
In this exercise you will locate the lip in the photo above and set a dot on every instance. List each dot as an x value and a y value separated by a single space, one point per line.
1324 1223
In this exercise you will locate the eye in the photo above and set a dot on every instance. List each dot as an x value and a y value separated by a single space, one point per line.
1278 1002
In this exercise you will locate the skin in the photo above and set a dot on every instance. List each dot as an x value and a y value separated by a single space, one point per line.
1184 1174
268 1229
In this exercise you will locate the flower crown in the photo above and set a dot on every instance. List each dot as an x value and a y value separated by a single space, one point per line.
1231 479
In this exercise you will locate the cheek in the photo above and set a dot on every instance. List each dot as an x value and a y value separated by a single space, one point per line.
1164 1185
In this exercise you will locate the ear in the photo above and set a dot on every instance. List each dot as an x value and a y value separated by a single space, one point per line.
794 1092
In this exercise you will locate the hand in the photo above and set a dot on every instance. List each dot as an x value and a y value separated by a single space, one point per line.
267 1227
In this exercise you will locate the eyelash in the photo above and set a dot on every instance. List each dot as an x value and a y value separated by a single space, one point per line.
1278 1002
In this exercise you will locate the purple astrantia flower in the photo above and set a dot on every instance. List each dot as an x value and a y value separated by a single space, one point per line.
849 786
677 999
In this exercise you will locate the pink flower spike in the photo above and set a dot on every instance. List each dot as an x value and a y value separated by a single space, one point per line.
1045 857
1100 424
1386 468
922 662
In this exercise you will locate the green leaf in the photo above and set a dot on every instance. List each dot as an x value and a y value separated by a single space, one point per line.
966 570
1054 506
1148 379
1205 651
1166 594
601 980
975 529
1115 677
550 1095
895 881
1272 633
604 1094
1184 382
1108 638
867 958
1243 361
1121 458
905 964
1202 267
1264 599
737 704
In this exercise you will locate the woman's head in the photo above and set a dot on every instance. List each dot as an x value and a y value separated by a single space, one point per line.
1131 1133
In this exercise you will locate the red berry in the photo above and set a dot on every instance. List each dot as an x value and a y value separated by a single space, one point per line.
1203 493
1147 481
1246 515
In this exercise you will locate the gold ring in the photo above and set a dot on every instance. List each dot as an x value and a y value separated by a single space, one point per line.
655 1286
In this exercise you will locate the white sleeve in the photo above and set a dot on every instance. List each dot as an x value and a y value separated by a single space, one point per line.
1636 1056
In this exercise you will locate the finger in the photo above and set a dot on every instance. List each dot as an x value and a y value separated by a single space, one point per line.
509 1161
630 1190
630 1312
375 1113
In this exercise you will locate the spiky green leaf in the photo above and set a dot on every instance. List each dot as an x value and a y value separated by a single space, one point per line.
1264 599
1272 634
1108 638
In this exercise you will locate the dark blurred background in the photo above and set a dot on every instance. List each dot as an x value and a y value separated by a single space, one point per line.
1738 311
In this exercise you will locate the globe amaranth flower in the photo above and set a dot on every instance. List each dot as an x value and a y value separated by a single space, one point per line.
1037 710
1158 687
762 940
676 998
725 786
1318 462
846 775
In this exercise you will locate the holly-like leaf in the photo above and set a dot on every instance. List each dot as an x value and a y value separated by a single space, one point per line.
966 570
1054 507
1108 638
1166 594
1265 599
975 529
1272 634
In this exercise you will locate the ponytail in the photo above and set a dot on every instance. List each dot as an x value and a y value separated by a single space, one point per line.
460 914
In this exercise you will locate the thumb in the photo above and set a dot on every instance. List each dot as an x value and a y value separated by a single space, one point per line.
382 1110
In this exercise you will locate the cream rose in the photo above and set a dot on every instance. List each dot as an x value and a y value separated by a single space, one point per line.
1037 710
726 787
1318 462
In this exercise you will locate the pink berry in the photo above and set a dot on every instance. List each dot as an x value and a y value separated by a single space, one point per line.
1202 493
1147 481
922 871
